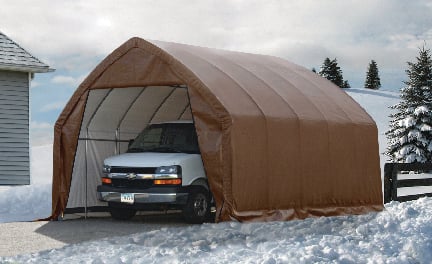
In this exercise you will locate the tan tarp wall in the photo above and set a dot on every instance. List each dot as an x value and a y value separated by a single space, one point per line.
278 141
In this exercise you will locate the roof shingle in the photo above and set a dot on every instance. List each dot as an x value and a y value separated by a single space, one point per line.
14 57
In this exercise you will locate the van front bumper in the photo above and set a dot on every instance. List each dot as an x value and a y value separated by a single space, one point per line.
156 195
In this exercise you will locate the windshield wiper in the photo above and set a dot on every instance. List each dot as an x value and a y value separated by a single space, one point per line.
133 150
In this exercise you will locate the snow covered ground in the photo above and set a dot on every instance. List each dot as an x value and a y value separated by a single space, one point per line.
400 234
27 203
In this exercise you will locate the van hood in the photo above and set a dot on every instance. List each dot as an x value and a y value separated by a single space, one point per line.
147 159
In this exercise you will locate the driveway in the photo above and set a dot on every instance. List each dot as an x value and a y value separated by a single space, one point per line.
29 237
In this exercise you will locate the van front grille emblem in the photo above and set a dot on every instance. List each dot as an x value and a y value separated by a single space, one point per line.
131 176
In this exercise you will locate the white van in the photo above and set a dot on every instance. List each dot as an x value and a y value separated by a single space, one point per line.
162 169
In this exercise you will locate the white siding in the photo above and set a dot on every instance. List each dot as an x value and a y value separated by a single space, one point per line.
14 128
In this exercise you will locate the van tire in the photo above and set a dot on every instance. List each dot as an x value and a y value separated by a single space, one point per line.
197 208
122 213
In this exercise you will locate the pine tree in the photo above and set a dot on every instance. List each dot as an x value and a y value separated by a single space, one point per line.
410 133
346 84
331 71
372 76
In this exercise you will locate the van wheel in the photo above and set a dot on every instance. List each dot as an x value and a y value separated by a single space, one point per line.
197 208
122 213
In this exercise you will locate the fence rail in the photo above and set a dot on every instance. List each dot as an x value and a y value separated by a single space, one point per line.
391 182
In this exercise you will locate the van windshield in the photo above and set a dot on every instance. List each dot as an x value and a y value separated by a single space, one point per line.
166 138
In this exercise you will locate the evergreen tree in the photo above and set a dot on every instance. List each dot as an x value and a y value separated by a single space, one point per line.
372 77
331 71
410 133
346 84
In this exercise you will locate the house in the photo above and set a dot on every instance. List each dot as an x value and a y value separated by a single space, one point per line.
17 68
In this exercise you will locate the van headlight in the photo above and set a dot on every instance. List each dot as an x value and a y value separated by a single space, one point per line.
168 172
106 169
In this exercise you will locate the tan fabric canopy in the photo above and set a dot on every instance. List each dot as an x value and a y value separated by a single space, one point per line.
278 141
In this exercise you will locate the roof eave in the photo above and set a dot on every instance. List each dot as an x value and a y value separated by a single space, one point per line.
25 68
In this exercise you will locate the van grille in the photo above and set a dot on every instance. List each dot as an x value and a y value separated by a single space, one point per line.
132 183
126 183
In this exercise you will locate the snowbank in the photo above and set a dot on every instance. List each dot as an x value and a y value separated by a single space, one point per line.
27 203
400 234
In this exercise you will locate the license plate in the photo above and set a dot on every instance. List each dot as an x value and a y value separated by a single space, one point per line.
127 198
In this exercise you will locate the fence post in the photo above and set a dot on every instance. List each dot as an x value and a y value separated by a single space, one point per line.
388 173
394 172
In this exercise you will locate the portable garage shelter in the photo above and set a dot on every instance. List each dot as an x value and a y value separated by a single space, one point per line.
278 141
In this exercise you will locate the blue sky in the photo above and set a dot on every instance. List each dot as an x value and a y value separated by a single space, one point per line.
74 36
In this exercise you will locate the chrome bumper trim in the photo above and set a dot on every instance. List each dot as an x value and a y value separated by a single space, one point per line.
142 198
